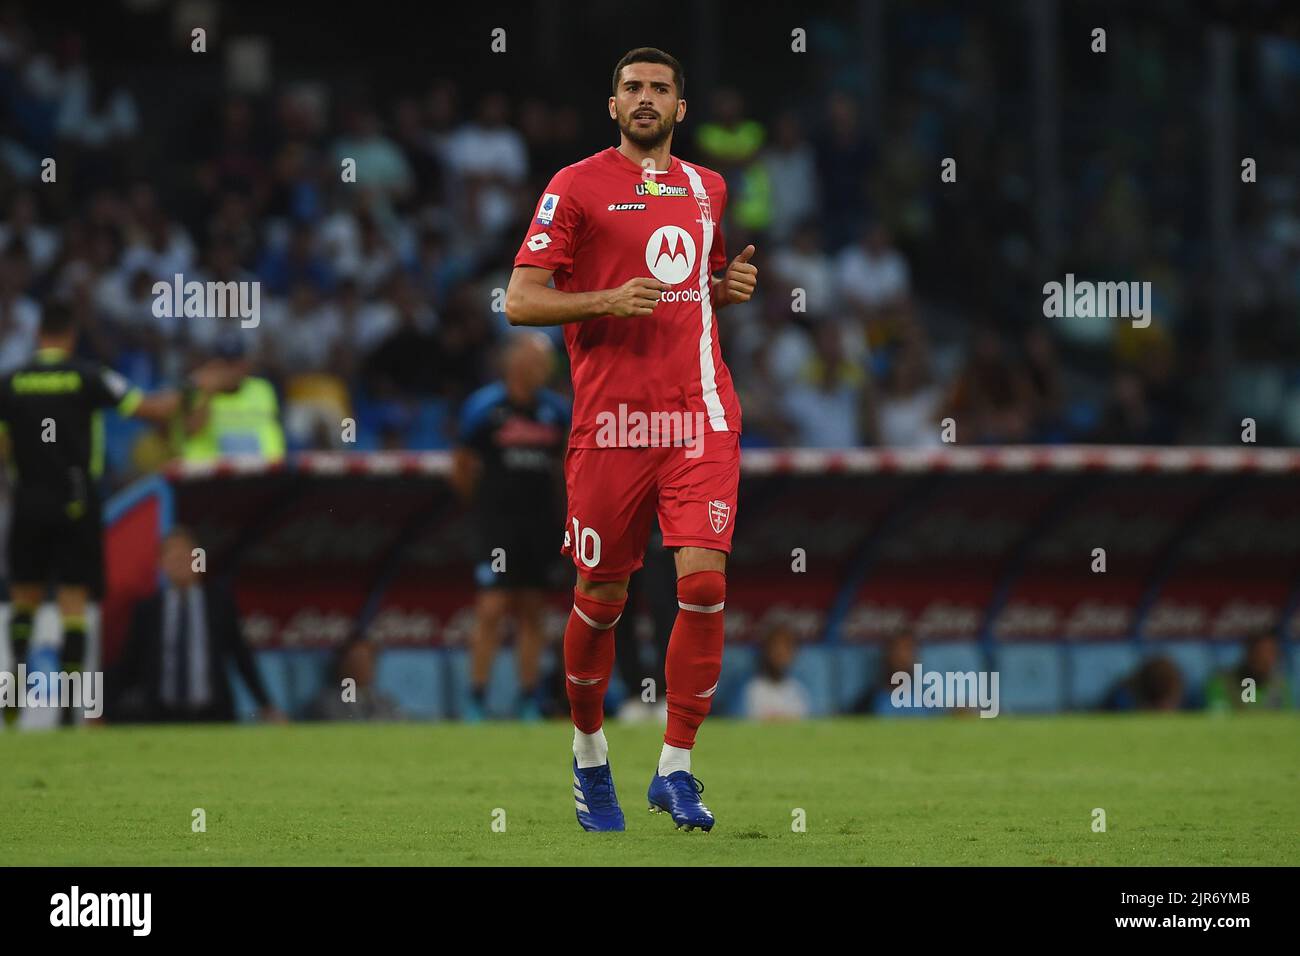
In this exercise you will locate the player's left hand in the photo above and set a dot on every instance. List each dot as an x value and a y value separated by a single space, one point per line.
742 276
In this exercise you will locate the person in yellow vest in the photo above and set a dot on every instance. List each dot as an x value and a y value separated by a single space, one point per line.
731 143
241 419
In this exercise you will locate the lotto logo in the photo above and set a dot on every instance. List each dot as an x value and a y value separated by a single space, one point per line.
539 242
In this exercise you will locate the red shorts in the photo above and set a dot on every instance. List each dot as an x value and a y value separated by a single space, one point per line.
614 491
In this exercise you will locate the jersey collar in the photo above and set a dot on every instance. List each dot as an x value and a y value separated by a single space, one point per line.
672 163
51 354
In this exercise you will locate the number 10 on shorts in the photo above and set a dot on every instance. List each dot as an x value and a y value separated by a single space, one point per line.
587 544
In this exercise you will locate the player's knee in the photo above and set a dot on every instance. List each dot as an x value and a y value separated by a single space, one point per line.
702 591
599 612
614 592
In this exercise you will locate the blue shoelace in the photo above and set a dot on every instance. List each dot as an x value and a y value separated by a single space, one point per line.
600 789
687 787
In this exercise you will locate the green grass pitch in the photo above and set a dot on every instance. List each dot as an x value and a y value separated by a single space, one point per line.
1176 790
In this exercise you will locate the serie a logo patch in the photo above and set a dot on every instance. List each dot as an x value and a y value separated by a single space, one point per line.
546 209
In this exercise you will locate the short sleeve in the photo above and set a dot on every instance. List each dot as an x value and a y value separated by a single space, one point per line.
718 252
553 232
108 389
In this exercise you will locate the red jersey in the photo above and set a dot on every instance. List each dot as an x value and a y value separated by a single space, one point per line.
602 222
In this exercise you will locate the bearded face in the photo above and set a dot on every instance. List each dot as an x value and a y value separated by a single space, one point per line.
644 125
645 104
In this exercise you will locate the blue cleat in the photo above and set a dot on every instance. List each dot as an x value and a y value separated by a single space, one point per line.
679 794
595 799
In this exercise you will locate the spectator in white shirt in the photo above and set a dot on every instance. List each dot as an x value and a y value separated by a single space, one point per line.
791 168
164 249
42 242
871 274
827 406
376 258
773 694
803 265
910 400
490 159
363 325
20 316
302 333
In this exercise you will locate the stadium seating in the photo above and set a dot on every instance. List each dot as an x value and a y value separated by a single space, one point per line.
1031 677
1094 668
416 679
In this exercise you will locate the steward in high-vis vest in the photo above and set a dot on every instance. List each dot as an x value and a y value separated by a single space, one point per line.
242 418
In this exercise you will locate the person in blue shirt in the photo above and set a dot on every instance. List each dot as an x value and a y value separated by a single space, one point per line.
508 467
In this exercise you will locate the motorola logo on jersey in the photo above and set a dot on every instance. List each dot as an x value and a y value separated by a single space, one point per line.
670 254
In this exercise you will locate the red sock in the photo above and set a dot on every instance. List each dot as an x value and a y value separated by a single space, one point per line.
589 657
694 654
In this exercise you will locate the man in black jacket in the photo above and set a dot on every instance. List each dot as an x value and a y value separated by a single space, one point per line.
178 651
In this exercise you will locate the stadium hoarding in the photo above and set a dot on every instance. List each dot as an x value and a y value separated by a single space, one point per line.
971 544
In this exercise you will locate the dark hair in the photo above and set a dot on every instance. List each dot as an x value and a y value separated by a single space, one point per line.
779 630
57 319
650 54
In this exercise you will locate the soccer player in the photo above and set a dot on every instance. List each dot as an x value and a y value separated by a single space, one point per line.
630 239
49 410
508 463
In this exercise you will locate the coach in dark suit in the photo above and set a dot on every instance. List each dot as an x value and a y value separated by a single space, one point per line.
181 642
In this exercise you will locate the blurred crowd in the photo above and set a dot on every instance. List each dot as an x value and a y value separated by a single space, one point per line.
889 299
1257 681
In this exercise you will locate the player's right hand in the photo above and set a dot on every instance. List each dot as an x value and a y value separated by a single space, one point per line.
636 296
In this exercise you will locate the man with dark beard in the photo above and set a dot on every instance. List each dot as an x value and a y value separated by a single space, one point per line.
630 239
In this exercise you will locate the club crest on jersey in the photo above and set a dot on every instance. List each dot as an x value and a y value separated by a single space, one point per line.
546 211
706 208
719 512
657 189
670 254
